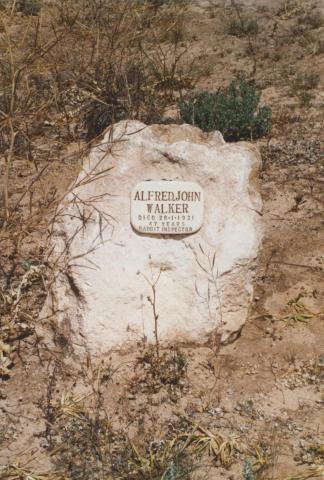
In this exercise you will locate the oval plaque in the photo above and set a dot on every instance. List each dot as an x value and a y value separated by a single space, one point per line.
167 207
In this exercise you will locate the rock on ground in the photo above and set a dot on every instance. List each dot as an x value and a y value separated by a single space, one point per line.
103 295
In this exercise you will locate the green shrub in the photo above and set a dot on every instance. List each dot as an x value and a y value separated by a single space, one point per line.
156 4
234 111
248 471
160 3
305 99
240 28
29 7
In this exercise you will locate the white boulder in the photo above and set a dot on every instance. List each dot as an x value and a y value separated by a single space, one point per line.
103 292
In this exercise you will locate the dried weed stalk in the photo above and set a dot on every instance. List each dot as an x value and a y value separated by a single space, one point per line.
153 282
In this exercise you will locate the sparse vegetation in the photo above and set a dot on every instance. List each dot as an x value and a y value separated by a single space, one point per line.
314 19
305 99
248 471
239 28
298 312
168 369
29 7
84 445
305 81
135 81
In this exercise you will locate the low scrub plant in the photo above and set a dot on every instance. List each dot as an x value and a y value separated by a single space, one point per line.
313 19
29 7
160 3
305 81
305 99
248 471
234 111
240 28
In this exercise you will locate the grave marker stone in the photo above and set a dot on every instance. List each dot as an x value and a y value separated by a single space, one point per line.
200 227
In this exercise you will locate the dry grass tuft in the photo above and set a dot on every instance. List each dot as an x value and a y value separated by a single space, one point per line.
203 441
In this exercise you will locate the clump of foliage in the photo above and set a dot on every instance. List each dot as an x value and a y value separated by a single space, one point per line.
156 4
239 28
152 371
234 111
305 81
302 86
248 471
313 19
29 7
305 99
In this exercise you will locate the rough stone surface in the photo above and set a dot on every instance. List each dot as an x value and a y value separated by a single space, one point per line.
205 279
